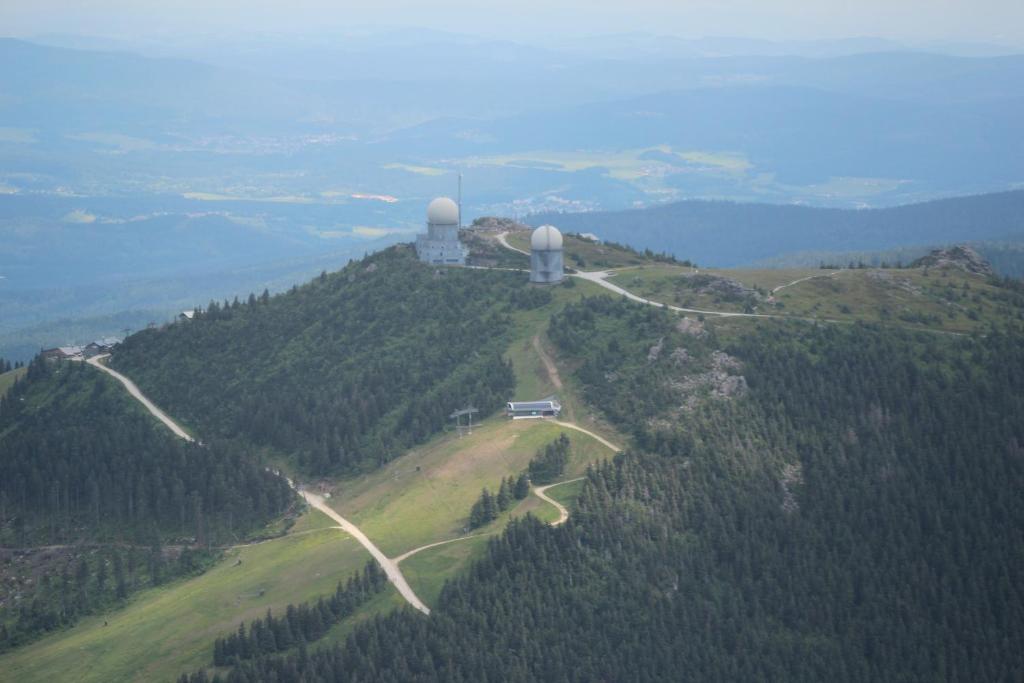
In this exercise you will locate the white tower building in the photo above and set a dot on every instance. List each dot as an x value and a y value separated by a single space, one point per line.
546 259
441 245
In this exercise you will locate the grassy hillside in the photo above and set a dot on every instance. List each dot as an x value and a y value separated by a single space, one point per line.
425 496
835 502
166 630
100 506
585 254
937 298
699 403
7 379
418 498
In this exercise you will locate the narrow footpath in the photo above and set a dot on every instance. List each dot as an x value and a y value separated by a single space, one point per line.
563 513
805 279
502 238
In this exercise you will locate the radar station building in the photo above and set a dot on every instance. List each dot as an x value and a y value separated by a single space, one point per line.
441 245
546 259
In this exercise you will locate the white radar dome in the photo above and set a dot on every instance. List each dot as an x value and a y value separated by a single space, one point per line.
443 211
546 238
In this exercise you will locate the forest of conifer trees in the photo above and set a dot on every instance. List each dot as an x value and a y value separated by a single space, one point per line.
854 516
345 372
114 479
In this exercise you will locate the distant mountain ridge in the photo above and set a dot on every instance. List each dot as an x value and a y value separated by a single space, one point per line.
729 234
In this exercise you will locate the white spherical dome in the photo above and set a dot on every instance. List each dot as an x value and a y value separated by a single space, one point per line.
546 238
443 211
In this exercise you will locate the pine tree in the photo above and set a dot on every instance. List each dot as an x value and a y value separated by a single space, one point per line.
522 487
489 505
504 497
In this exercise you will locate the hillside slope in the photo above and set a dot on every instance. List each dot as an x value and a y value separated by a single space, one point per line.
726 234
811 502
802 501
344 372
92 486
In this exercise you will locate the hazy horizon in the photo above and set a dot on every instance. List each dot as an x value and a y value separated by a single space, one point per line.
914 23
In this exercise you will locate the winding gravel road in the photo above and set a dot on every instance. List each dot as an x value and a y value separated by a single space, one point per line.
139 396
389 566
599 277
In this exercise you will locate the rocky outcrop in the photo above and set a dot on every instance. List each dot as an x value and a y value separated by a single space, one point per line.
691 326
719 379
497 224
723 288
961 256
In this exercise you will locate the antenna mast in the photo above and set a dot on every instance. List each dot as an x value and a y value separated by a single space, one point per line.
460 200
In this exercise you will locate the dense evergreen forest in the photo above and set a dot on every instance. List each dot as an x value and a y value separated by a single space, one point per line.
110 472
811 503
83 466
345 372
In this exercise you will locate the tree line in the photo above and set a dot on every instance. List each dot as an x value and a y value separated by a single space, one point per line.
855 516
7 366
81 462
546 466
92 579
345 372
302 624
489 505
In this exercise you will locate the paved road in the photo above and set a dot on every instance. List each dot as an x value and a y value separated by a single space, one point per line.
139 396
389 566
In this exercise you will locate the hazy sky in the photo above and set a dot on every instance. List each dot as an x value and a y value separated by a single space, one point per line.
993 21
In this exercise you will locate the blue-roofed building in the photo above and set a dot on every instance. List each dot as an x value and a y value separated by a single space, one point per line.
521 410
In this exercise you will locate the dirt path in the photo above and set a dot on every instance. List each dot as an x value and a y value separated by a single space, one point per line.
406 556
140 397
600 278
549 364
805 279
504 242
573 425
563 513
540 491
389 566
